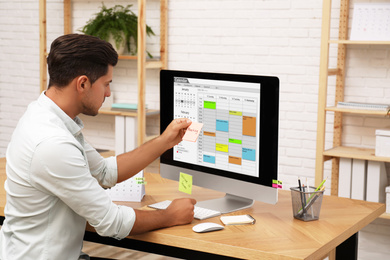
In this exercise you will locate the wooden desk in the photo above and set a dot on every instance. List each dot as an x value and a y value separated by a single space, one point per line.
276 234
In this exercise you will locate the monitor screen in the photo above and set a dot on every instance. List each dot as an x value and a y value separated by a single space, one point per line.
237 149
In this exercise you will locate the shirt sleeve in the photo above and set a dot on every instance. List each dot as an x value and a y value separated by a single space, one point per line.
104 170
60 167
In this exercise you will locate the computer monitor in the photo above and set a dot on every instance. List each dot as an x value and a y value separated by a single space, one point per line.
237 149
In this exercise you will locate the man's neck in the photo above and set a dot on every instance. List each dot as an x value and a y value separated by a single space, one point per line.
64 98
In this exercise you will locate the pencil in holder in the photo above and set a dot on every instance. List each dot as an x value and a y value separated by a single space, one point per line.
306 204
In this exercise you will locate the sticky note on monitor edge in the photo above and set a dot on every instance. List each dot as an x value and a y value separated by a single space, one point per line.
185 183
193 132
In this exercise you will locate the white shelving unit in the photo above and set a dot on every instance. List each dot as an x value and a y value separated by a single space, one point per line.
338 151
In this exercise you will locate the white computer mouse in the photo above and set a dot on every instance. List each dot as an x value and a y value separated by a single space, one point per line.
207 227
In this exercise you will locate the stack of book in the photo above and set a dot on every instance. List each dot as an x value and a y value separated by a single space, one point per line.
363 106
124 106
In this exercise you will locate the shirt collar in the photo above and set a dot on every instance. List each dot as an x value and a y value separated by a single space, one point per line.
73 125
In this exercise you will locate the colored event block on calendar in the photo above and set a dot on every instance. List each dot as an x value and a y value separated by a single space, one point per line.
235 113
235 160
249 125
209 158
222 125
212 134
248 154
222 147
209 104
235 141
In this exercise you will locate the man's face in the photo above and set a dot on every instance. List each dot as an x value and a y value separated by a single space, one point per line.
97 93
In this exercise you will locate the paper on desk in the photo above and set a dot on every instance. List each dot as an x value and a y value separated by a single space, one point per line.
193 132
238 220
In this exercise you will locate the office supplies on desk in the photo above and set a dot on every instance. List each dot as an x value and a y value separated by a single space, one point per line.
238 220
302 194
310 210
318 188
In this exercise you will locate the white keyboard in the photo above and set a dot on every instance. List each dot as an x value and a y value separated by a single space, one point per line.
199 213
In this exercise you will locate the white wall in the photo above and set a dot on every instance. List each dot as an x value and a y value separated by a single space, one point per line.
268 37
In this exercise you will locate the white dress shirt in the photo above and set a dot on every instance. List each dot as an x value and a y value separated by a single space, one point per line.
54 185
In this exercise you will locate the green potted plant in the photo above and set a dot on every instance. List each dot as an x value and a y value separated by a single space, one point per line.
118 25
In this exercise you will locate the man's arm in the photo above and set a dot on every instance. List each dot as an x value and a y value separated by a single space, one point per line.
132 162
179 212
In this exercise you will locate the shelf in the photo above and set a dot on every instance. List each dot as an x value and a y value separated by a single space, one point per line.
358 111
354 153
149 63
132 113
127 57
360 42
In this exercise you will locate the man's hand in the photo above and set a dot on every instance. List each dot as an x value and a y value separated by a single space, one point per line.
132 162
175 131
179 212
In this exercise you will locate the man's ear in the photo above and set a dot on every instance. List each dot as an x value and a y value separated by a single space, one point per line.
82 82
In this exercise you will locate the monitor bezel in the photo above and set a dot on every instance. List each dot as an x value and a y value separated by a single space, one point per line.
269 116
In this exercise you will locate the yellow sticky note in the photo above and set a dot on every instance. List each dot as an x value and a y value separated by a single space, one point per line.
185 183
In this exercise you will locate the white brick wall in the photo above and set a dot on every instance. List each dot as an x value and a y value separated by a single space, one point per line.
19 70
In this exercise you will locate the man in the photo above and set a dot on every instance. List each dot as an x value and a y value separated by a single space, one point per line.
55 178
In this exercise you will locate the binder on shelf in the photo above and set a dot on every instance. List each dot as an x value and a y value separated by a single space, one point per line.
376 182
120 133
388 199
345 177
359 176
363 106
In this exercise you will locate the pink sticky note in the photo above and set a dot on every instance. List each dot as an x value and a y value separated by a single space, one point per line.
193 132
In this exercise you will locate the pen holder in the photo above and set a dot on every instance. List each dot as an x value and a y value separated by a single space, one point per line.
306 204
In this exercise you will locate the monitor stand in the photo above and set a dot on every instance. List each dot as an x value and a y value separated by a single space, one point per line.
227 204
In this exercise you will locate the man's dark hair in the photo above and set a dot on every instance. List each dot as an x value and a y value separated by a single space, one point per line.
73 55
